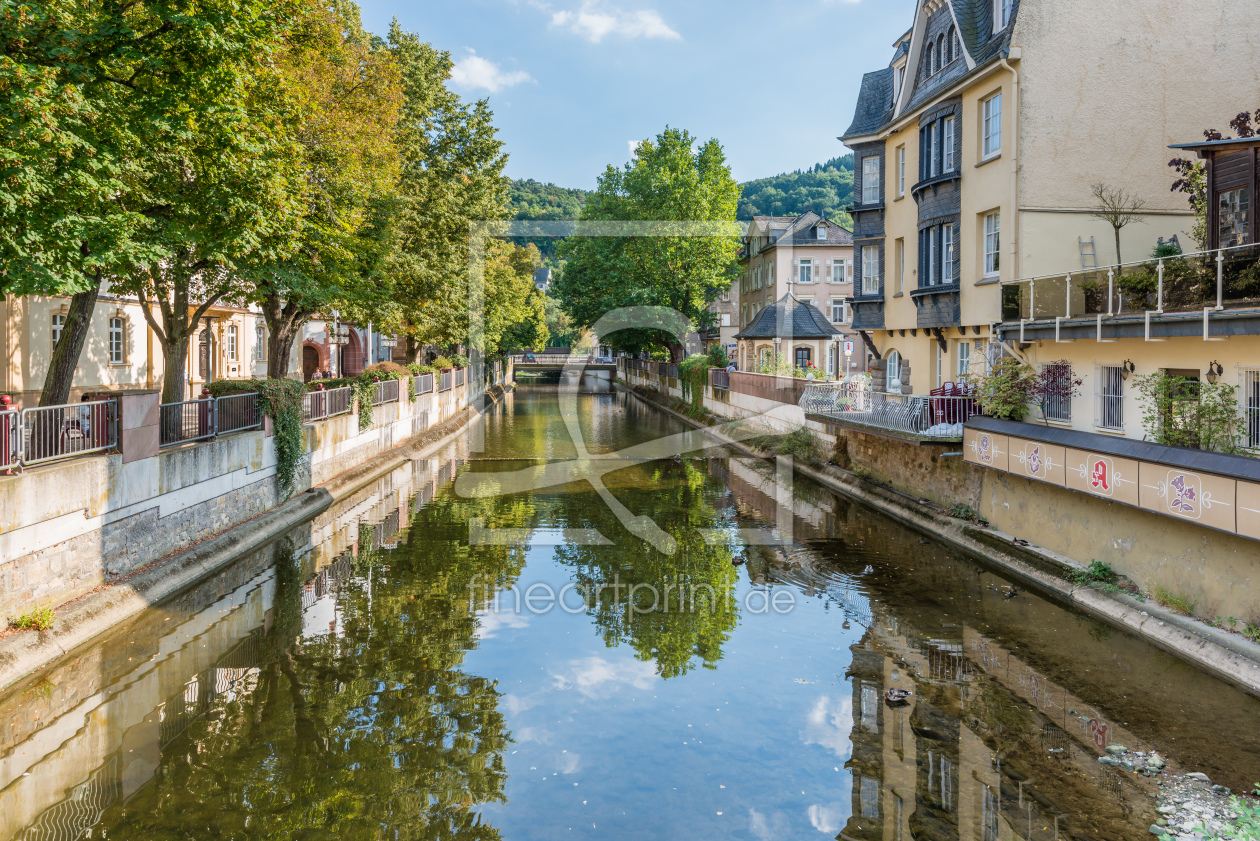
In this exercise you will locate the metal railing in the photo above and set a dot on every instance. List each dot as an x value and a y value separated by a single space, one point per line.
188 420
237 413
49 433
459 377
444 383
921 415
424 384
719 378
318 405
384 392
1249 406
10 440
1200 281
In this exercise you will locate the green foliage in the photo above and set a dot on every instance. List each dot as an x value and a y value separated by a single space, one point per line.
1098 572
1005 392
36 619
826 189
962 512
693 376
1182 603
532 201
717 357
801 444
280 400
671 179
1187 413
1245 827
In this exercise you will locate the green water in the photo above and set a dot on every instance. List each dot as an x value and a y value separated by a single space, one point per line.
399 670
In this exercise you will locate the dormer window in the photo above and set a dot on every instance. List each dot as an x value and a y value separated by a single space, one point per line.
1002 14
952 41
822 232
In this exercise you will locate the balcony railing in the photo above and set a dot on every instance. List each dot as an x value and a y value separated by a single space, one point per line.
920 415
49 433
1201 281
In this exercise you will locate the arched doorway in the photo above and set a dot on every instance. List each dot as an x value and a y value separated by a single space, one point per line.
352 363
310 362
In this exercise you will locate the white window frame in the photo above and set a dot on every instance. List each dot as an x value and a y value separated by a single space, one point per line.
870 270
1109 397
57 325
964 359
822 232
947 254
1249 406
870 180
901 266
260 342
947 145
934 256
901 171
725 319
231 343
893 370
930 150
841 270
991 127
1002 14
993 244
117 346
940 365
1057 409
805 271
837 314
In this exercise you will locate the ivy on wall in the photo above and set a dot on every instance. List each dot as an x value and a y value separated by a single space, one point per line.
280 400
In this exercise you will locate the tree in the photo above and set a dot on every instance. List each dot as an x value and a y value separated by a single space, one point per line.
452 174
101 96
515 316
559 325
1054 384
1118 208
668 181
344 95
825 188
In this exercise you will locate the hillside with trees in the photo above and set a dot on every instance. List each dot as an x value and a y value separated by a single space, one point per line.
825 188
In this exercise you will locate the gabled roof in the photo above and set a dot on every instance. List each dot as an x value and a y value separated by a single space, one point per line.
874 104
799 321
799 230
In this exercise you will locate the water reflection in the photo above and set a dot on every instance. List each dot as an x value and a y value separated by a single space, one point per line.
357 680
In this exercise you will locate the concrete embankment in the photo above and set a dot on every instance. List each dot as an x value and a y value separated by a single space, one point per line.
1227 656
108 606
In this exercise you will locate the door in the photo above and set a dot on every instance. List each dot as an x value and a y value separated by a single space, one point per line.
204 357
310 362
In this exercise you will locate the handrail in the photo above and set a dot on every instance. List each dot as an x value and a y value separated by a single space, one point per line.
921 415
10 439
386 391
49 433
187 420
424 383
237 413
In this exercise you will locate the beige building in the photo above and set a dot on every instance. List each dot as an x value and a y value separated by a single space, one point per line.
121 351
977 149
811 258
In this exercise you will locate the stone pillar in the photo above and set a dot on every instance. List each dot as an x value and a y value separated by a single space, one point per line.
905 378
879 374
139 434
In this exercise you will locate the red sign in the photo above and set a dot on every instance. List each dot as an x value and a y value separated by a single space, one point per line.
1098 729
1100 479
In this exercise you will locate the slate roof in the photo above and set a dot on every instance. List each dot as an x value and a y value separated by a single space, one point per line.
874 104
800 321
799 230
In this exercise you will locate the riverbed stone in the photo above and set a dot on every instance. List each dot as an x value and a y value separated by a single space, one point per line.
1116 750
1156 829
1199 776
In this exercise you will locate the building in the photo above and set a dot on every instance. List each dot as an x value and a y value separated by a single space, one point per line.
794 331
810 257
725 324
121 350
542 279
977 150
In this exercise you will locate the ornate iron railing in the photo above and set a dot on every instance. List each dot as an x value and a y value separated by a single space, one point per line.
921 415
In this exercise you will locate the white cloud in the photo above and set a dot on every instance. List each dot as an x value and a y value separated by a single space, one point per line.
476 72
827 818
634 146
828 724
594 21
768 827
596 677
489 622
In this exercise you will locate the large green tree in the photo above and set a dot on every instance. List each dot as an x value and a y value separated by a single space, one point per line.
681 256
111 109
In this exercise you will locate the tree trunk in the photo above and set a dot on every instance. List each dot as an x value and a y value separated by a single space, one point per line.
413 350
175 365
677 351
1117 230
279 346
65 358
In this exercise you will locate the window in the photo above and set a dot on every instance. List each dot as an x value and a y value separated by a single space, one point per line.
1058 407
870 707
929 151
992 244
870 269
841 271
870 180
726 294
989 827
940 51
952 44
901 171
839 311
992 132
231 342
802 357
932 64
940 365
832 362
1002 13
964 359
947 146
901 266
806 272
947 784
1250 403
58 323
1109 397
822 232
931 275
894 368
947 254
1233 217
260 342
868 795
116 341
726 319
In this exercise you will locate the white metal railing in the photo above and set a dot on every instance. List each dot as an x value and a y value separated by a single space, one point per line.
187 420
1199 281
49 433
459 377
444 383
424 383
237 413
10 440
921 415
384 392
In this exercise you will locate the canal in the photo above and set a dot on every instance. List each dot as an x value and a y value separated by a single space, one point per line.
521 663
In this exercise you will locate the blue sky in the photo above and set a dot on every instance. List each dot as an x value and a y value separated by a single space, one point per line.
573 82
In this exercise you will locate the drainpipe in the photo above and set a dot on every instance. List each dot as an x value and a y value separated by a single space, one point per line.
1014 164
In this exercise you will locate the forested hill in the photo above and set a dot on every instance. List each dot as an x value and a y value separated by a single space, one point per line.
826 188
533 200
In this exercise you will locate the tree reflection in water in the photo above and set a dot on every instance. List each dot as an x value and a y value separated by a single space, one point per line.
366 732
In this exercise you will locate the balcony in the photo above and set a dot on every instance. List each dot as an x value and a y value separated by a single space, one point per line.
1212 294
937 417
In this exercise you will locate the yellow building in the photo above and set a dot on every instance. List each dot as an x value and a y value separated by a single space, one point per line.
976 155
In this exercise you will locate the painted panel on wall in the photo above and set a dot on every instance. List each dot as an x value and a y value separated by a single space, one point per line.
1249 509
1203 498
986 449
1105 476
1038 460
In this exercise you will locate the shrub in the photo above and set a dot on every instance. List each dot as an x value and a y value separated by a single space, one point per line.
693 376
1181 603
37 619
387 369
460 360
1004 393
1186 413
443 362
1098 572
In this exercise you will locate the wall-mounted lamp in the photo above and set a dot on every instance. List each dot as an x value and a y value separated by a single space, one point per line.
1214 371
1127 368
